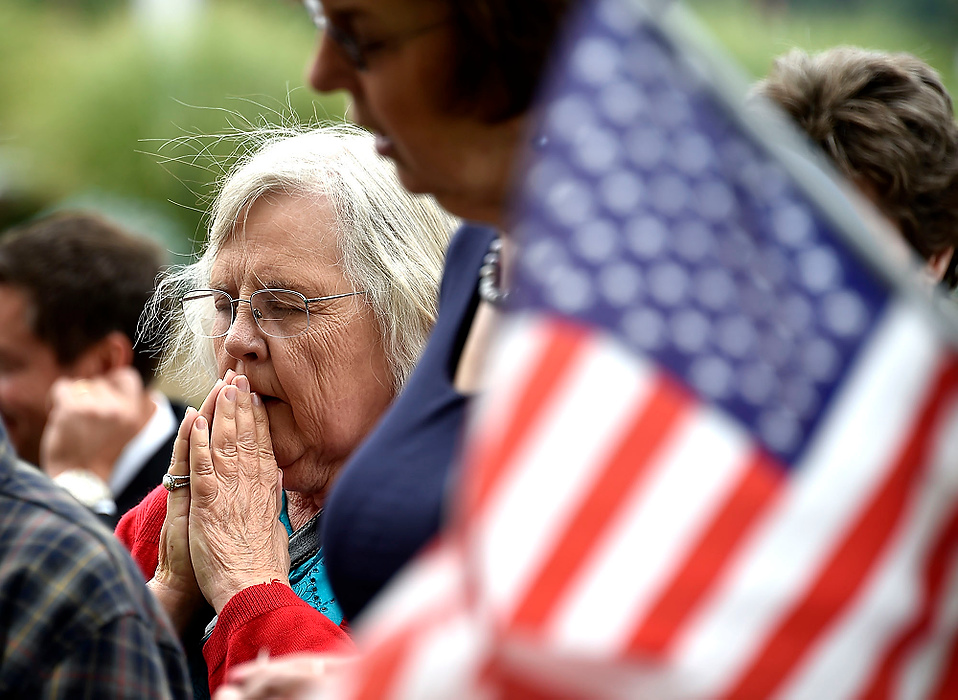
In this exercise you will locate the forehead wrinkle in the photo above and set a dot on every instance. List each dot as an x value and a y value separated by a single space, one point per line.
297 268
292 245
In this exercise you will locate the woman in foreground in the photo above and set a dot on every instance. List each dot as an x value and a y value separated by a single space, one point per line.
445 86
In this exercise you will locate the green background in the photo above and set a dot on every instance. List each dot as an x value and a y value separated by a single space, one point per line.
100 109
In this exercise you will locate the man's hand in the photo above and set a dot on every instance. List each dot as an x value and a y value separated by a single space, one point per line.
294 677
92 420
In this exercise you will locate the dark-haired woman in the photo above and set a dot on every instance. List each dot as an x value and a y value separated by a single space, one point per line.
445 85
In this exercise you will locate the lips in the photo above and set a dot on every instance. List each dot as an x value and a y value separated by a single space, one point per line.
268 399
384 146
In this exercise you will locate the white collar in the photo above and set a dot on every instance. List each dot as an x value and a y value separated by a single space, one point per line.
157 430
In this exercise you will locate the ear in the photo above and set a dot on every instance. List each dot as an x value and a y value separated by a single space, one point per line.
937 264
111 352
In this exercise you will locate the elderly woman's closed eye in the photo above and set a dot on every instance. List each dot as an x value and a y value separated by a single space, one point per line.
311 302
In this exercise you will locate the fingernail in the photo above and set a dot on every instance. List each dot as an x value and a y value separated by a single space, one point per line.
230 393
257 401
200 423
242 383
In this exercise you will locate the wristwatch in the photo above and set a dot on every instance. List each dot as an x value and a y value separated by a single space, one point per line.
88 489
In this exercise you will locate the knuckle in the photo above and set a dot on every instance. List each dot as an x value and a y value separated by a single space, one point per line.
248 447
228 450
200 440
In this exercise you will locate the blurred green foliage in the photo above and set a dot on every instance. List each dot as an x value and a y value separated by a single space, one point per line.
935 14
756 31
89 96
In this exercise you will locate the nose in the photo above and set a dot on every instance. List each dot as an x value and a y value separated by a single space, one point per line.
330 69
245 341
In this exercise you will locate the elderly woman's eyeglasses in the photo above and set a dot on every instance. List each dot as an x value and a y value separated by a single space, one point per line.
279 313
355 49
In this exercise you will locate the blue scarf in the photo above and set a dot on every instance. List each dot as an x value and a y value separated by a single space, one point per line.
307 568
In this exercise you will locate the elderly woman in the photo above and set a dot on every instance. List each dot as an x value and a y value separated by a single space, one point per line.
313 297
446 86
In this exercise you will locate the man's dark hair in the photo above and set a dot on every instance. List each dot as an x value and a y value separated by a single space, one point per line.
85 278
887 122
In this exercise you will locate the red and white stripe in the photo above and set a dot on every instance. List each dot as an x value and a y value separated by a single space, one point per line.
794 578
620 539
420 639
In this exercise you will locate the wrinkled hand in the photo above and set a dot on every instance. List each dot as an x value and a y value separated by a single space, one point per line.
236 538
294 677
174 583
92 420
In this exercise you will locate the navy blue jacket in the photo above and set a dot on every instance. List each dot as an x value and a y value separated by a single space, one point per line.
387 503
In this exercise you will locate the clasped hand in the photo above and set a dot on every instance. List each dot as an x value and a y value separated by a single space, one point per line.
92 419
222 534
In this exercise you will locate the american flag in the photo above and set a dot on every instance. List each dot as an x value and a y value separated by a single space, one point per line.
720 454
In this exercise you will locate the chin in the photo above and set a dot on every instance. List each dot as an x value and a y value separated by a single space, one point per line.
307 479
411 182
491 215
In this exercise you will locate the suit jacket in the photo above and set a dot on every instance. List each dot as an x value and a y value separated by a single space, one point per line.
149 476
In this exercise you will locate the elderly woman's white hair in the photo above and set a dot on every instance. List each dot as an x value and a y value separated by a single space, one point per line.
392 242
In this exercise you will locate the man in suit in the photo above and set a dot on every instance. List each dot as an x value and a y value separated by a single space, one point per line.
74 381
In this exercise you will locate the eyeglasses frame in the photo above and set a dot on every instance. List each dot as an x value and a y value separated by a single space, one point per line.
355 50
234 305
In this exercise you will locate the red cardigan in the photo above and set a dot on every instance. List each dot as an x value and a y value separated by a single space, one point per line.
268 616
